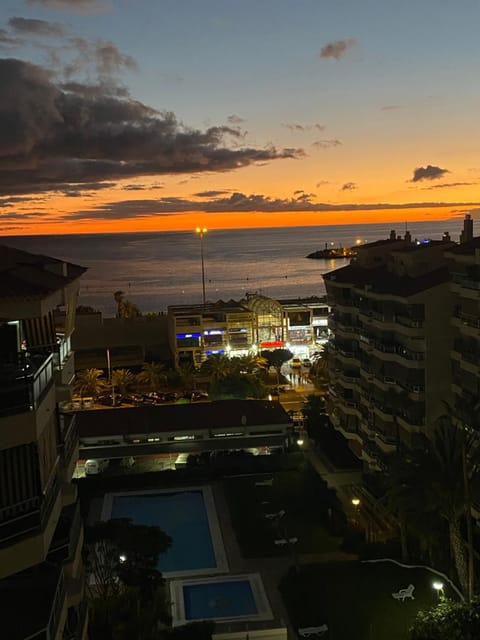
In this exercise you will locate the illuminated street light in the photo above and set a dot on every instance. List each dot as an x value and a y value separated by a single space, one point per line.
299 442
438 586
201 231
122 558
355 502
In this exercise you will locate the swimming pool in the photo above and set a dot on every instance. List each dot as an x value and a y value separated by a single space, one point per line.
187 515
232 598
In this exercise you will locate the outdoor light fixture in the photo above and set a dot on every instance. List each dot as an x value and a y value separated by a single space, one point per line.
123 558
201 231
299 442
438 586
355 502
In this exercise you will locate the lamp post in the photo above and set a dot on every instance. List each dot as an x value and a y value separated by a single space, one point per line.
438 586
201 231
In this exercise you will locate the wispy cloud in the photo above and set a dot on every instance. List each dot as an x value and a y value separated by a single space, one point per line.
337 49
449 185
30 26
80 6
240 202
326 144
430 172
302 128
235 120
322 183
349 186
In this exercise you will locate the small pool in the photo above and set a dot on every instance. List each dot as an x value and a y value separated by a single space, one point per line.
220 599
188 516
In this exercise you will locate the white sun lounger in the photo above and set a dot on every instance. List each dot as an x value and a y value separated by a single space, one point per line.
264 483
404 593
313 631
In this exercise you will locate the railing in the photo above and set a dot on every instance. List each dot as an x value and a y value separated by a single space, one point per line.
57 607
413 323
24 382
465 281
468 319
28 515
65 539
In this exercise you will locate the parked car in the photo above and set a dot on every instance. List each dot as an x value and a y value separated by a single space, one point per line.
95 466
296 363
306 362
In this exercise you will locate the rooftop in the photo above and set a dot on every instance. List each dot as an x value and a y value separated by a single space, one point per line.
28 275
466 248
379 280
181 417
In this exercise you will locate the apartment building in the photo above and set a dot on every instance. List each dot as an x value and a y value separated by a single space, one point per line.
389 355
464 266
41 535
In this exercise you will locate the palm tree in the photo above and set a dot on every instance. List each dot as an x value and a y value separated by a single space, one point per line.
122 380
433 482
90 383
217 366
248 364
152 375
319 371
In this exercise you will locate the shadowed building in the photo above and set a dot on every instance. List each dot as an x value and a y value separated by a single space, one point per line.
389 357
41 575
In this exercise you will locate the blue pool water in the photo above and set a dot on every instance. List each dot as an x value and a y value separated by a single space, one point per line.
183 516
219 600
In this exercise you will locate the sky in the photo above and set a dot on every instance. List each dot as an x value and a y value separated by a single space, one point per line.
152 115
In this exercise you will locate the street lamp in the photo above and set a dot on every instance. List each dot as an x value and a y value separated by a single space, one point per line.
201 232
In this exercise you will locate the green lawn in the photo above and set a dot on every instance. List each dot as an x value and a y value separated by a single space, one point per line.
301 494
355 599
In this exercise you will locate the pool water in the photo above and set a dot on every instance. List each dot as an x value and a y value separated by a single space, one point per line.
218 600
183 516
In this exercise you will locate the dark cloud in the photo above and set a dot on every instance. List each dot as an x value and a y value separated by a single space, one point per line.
430 172
322 183
31 26
326 144
238 202
54 137
234 119
337 49
82 6
349 186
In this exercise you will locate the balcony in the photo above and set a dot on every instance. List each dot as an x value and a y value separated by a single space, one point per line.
67 535
23 383
465 282
28 517
33 603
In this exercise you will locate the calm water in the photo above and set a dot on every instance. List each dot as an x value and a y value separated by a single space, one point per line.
183 516
159 269
209 600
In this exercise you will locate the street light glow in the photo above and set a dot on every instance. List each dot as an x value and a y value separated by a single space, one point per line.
201 232
355 502
438 586
299 442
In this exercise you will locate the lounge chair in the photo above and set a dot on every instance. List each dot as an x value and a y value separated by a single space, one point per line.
404 593
264 483
278 514
313 631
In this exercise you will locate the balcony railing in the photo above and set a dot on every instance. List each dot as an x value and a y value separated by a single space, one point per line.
28 516
468 319
67 534
465 281
24 382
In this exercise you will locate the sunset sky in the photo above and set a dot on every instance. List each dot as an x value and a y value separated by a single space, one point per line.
123 115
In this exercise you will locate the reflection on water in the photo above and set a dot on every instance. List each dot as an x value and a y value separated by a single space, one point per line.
159 269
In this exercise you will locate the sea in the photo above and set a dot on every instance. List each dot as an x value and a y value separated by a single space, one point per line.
155 270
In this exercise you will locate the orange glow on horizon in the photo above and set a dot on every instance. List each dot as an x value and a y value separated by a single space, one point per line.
189 221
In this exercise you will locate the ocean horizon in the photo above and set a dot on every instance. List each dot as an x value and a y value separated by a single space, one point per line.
162 268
